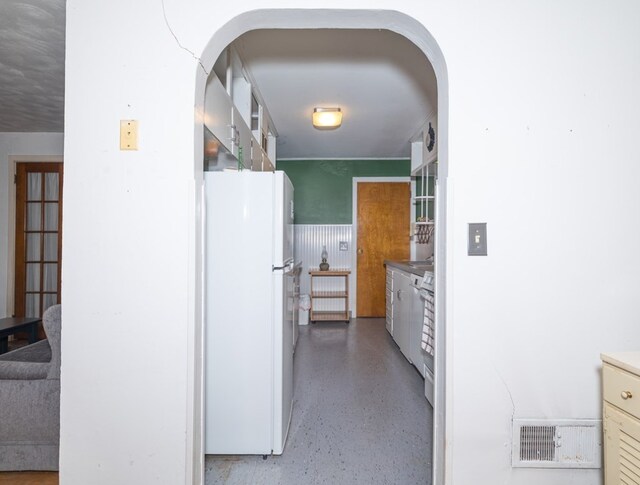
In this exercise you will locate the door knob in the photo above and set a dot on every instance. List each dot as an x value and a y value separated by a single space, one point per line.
360 251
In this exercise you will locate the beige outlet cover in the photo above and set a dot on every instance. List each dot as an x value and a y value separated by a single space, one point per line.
128 134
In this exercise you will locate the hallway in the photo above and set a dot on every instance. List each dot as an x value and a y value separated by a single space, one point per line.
359 415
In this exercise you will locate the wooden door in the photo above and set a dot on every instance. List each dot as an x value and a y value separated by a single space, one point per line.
383 233
38 237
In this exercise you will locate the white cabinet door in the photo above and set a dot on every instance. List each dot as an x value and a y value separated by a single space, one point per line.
256 155
396 307
407 303
217 113
621 448
242 96
242 146
415 331
267 165
389 301
401 311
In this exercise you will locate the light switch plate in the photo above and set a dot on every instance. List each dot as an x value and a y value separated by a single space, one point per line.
128 134
344 246
477 245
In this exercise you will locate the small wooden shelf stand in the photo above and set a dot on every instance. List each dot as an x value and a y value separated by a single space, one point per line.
330 316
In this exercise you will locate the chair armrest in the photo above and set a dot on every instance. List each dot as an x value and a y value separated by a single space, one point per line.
23 370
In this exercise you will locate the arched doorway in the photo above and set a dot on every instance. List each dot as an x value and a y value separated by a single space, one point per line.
336 19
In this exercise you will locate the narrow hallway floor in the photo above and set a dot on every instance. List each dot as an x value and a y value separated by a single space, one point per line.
359 415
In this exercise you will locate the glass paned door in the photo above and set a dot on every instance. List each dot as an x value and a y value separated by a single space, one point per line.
38 237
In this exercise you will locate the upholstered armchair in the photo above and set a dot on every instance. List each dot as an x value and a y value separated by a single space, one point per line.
30 401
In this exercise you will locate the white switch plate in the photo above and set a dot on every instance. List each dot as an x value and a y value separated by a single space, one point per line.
344 246
477 245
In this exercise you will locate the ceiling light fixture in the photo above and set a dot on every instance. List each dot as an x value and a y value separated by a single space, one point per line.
326 118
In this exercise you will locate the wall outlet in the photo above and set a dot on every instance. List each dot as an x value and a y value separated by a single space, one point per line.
128 134
344 246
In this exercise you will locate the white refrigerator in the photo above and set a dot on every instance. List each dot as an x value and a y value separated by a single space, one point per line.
249 272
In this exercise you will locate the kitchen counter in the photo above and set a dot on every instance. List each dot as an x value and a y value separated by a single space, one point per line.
414 267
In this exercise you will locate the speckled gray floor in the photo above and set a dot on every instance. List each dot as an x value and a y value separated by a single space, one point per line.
359 415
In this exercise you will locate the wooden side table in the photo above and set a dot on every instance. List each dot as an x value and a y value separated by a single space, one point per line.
341 294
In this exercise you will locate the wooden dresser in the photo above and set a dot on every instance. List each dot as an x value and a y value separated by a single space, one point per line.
621 417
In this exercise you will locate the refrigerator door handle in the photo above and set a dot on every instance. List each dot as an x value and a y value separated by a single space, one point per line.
288 265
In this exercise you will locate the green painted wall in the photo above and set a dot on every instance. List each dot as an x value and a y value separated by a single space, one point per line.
323 188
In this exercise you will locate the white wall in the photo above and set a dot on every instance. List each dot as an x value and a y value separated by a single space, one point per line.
309 240
17 147
559 285
543 122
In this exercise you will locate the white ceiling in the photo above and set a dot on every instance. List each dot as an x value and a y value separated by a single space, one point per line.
384 84
32 65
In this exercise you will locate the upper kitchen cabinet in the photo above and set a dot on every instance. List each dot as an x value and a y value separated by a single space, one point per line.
243 139
218 110
236 116
256 156
260 161
267 164
424 171
271 146
242 95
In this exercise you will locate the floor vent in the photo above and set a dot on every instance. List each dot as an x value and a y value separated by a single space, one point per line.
557 443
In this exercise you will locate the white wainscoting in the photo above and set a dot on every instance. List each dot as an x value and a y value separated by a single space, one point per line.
309 240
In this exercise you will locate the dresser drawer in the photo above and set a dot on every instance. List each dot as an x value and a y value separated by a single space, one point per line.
618 385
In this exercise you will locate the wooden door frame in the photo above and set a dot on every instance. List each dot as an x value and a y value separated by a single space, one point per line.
11 229
353 281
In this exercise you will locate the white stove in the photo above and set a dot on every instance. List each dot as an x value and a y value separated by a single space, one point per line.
428 333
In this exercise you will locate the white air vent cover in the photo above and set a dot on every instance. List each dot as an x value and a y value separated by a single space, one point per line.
568 443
